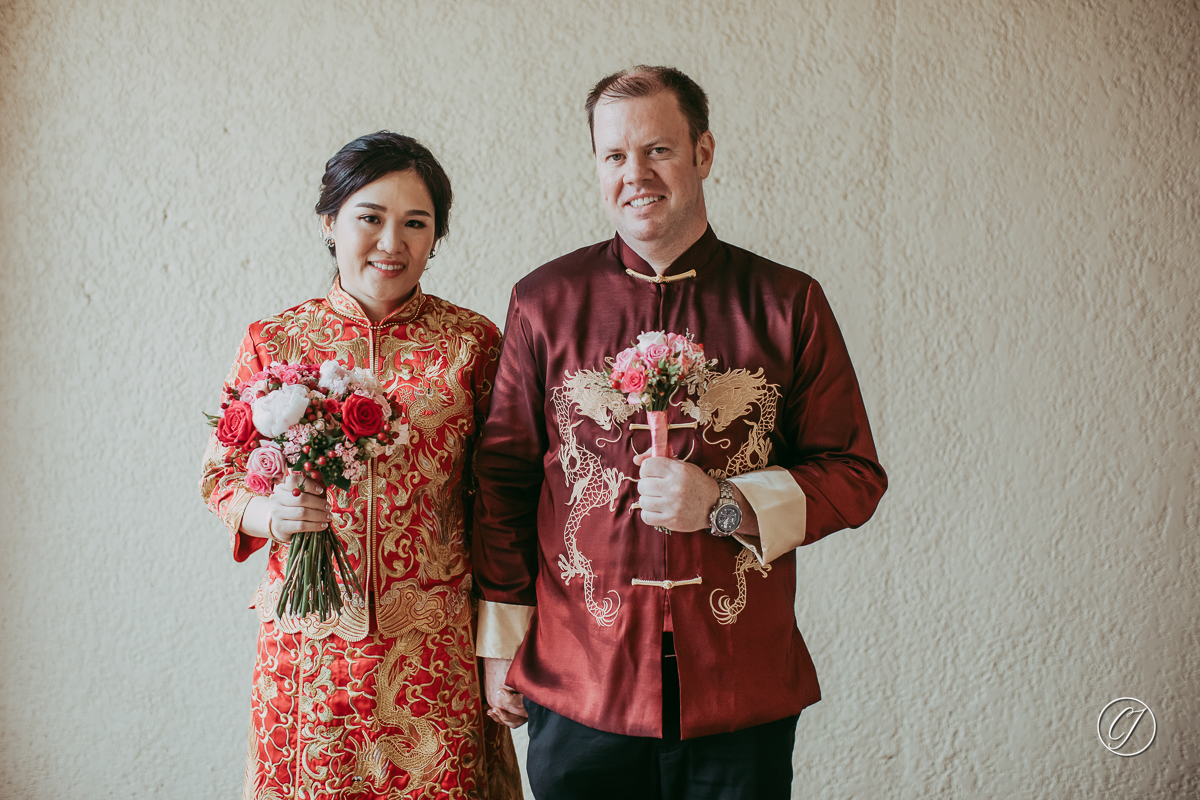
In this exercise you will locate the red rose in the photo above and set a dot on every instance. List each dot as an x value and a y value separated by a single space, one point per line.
236 428
361 416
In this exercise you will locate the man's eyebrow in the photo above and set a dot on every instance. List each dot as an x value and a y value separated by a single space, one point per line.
416 212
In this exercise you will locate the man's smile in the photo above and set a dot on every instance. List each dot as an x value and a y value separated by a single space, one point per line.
638 202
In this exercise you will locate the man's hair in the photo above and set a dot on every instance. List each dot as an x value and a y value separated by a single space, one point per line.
644 81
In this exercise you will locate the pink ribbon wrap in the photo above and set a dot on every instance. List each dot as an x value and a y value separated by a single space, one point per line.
659 446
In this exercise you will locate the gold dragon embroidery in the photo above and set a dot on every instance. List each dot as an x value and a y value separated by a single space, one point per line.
420 745
592 486
424 718
721 401
724 608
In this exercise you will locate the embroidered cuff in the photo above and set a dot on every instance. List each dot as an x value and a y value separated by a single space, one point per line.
235 509
502 628
780 506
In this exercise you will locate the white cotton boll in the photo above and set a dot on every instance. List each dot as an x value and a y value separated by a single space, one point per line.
363 379
334 377
280 410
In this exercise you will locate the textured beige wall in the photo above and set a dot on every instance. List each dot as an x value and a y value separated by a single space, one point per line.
1002 200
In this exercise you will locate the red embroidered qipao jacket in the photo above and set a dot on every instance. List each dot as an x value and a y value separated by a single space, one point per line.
382 701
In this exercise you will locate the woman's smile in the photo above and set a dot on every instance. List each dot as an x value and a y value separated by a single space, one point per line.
383 235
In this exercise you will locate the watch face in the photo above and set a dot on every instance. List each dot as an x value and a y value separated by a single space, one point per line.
728 518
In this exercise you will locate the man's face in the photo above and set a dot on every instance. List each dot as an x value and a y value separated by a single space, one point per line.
651 176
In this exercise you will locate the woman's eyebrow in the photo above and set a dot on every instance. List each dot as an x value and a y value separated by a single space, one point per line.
418 212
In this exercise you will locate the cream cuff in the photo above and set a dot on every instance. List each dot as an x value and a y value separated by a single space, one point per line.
780 506
235 509
502 628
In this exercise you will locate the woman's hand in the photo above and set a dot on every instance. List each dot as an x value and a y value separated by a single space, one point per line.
297 505
504 702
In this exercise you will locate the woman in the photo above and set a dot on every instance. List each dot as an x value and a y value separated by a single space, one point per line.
383 700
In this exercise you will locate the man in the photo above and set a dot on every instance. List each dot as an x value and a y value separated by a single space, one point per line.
653 638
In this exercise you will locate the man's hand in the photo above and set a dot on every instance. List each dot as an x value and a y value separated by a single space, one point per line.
675 495
504 701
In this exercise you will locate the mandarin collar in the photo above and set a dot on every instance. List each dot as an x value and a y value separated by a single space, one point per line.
341 302
694 258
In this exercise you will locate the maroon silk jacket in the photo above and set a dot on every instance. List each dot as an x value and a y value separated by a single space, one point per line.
554 528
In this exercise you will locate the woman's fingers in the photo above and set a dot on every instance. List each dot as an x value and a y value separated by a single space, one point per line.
296 480
292 525
298 506
289 493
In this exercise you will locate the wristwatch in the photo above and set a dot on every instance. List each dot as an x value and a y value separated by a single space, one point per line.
726 515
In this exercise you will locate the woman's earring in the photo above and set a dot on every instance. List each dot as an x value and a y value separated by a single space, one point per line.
328 240
432 252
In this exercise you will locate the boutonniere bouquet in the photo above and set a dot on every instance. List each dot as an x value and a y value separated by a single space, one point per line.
324 422
649 373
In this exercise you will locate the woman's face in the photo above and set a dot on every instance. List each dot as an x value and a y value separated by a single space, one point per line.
383 234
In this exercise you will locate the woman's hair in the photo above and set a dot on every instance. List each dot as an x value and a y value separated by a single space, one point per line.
368 158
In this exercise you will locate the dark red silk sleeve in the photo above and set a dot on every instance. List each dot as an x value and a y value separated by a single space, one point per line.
832 456
509 466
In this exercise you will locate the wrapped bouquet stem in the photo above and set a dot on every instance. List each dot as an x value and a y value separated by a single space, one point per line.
659 446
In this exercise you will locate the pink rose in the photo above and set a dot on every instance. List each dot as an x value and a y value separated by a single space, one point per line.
633 381
258 484
292 373
264 467
253 379
657 352
625 359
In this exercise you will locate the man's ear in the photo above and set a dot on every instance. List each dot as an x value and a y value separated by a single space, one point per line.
704 153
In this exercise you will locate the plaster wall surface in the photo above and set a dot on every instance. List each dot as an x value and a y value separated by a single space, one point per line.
1001 199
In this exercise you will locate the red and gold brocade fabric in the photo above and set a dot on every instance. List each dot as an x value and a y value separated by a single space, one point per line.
384 700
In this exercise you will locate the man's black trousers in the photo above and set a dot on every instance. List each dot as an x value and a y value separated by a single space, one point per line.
570 761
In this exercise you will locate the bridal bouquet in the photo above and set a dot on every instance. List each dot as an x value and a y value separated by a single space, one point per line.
324 422
649 372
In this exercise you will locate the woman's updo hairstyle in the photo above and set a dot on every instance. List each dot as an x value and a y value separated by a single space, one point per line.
368 158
